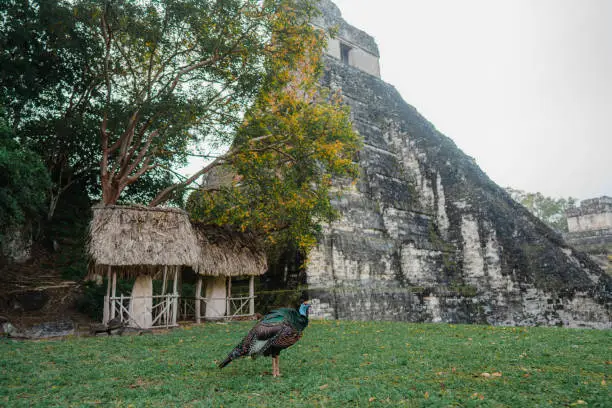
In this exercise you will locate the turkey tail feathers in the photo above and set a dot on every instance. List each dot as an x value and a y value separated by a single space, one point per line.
230 357
226 361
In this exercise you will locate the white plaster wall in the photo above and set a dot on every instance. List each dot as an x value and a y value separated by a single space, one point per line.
216 294
590 222
365 61
141 303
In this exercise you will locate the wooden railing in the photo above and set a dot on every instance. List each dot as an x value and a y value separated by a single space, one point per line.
163 310
187 308
232 307
241 306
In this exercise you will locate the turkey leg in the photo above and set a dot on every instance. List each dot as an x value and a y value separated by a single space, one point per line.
275 367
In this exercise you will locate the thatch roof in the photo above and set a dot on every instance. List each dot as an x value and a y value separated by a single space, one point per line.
224 252
138 239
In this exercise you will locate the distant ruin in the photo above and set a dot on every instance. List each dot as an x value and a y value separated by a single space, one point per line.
425 235
590 229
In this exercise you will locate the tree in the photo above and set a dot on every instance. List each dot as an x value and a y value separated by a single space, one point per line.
41 50
550 210
23 181
150 81
293 143
114 90
48 86
174 73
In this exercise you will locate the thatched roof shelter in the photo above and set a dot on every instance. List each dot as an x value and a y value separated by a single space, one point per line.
136 240
224 252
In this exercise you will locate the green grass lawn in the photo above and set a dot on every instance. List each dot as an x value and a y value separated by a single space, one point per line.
335 364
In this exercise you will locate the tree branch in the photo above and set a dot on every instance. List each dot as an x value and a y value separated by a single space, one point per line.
163 196
145 167
127 170
104 175
128 61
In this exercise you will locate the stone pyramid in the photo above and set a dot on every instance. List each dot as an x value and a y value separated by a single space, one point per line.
425 235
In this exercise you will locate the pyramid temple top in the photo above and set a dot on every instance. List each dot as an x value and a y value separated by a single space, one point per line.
351 45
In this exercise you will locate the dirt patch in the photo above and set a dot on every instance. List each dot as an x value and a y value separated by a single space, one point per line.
38 276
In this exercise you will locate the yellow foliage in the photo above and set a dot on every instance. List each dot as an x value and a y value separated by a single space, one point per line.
293 142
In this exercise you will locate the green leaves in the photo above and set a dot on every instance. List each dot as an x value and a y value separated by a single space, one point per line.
125 88
294 141
23 181
48 87
548 209
184 71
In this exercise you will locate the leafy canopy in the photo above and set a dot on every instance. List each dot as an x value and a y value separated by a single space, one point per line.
126 91
48 86
181 71
548 209
23 181
294 141
129 90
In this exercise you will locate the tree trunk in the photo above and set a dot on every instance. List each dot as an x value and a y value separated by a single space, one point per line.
165 194
52 205
110 192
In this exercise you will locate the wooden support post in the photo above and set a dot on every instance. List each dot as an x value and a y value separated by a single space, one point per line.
168 305
165 300
106 306
228 297
198 299
175 295
165 280
113 294
252 295
121 308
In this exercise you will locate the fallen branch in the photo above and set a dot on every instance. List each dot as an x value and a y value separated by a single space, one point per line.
40 288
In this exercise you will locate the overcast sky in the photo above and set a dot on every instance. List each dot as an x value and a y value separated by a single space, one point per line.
523 86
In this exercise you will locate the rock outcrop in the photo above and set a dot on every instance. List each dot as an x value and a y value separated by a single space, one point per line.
425 235
47 330
16 243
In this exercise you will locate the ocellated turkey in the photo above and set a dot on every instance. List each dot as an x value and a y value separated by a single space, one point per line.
279 329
